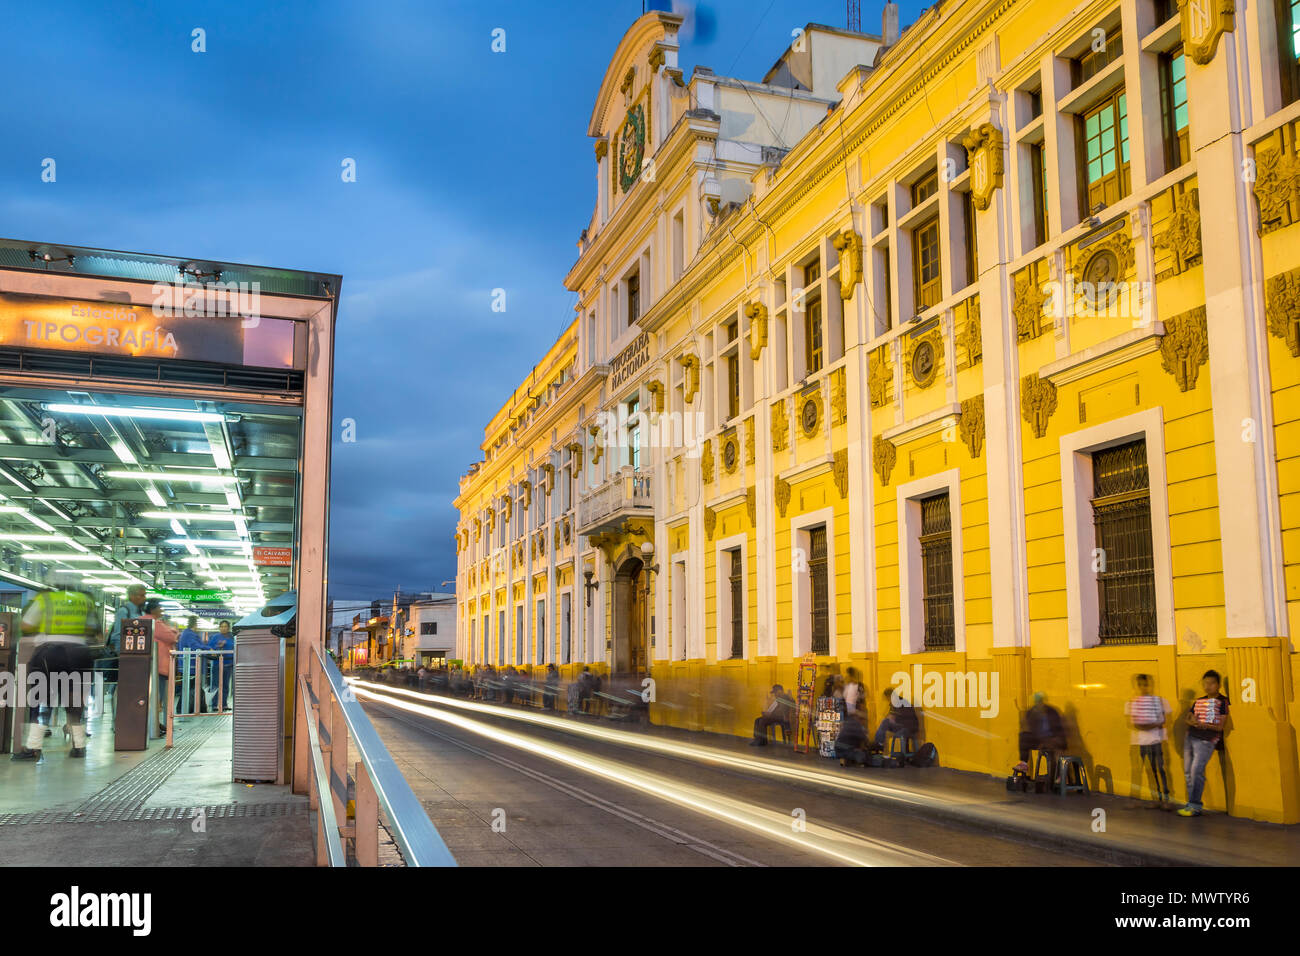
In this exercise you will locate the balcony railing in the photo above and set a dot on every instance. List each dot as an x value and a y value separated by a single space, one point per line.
626 495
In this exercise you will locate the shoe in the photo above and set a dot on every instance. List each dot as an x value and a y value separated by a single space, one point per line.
1189 812
843 762
77 752
48 732
26 754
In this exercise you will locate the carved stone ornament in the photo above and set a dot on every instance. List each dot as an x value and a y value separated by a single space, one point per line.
508 503
602 149
984 155
883 457
849 246
549 469
1277 184
756 312
478 529
1037 402
839 397
972 424
528 492
691 377
541 544
1183 237
568 531
575 450
1027 301
751 502
810 414
710 522
880 379
780 427
1282 308
749 440
1119 244
491 520
596 449
1185 347
656 390
782 488
971 336
840 471
1203 22
730 454
557 535
628 79
656 59
924 358
706 462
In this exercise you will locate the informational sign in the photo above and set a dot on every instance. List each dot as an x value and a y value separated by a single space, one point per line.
4 637
804 702
215 613
215 595
137 636
136 329
273 557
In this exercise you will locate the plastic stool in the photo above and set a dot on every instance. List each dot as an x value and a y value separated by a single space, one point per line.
1080 784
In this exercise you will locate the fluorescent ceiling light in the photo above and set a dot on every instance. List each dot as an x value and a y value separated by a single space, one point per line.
33 537
206 560
191 515
173 476
219 456
39 522
12 509
155 496
56 509
10 576
59 556
15 479
117 411
206 543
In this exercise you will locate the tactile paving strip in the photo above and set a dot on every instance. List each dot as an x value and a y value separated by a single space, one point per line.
147 814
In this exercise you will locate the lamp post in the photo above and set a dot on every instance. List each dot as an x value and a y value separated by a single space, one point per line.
647 555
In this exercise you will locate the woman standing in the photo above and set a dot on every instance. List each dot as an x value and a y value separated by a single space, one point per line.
165 637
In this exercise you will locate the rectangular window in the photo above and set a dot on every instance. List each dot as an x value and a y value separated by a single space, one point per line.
925 264
1096 60
924 188
972 255
1038 170
733 384
519 634
502 639
812 323
539 644
679 245
634 435
936 572
633 298
566 627
736 582
428 627
819 590
1173 109
1121 514
1288 47
1105 147
811 273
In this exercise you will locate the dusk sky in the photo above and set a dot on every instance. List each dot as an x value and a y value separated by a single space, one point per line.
473 172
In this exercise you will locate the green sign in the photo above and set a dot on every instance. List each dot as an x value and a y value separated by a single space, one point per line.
214 595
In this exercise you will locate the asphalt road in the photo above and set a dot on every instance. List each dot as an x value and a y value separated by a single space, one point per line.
506 791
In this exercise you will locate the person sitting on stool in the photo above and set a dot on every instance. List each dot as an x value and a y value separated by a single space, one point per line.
1045 732
774 714
900 721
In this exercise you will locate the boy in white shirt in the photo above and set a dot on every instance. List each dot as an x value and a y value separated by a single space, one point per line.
1147 714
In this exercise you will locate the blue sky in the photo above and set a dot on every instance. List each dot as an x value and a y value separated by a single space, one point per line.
474 172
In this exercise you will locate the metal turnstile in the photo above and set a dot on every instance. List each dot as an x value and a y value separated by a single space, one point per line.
134 670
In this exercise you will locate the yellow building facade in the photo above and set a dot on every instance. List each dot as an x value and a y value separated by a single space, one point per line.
968 354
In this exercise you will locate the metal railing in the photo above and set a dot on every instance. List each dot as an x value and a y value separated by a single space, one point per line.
330 719
627 490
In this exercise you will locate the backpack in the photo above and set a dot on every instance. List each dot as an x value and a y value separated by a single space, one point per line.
927 755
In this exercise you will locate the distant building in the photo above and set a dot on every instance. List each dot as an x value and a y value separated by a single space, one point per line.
431 624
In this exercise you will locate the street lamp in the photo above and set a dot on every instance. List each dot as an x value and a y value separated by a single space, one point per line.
588 574
647 555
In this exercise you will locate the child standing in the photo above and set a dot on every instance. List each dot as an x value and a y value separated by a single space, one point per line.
1147 714
1205 723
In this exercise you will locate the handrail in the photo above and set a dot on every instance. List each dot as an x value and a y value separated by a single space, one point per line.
412 830
329 823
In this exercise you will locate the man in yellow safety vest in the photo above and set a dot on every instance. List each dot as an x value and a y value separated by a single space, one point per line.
59 623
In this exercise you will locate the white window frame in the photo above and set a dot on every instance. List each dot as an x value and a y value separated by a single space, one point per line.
560 596
801 583
911 581
681 598
722 594
1076 492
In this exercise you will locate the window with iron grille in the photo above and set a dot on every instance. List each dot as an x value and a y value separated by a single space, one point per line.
819 590
737 582
1121 514
936 572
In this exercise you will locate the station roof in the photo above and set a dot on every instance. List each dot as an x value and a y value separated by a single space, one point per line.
147 267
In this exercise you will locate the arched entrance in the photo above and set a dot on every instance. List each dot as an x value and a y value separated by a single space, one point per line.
629 651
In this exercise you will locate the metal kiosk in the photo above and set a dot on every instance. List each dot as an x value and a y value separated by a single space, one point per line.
134 670
258 752
8 658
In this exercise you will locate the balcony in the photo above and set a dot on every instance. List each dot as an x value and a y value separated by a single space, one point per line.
626 495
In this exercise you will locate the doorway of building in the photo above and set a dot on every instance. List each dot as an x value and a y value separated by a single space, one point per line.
629 655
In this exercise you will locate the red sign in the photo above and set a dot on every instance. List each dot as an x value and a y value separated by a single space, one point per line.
273 557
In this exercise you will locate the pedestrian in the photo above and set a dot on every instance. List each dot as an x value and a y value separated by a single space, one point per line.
59 623
1206 720
223 665
1147 714
551 689
775 713
165 638
900 721
192 663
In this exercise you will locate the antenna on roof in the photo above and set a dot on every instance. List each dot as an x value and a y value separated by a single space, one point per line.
855 16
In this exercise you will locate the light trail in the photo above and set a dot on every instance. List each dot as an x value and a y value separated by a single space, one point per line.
826 841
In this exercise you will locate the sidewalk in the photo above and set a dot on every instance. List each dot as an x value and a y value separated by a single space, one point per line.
156 807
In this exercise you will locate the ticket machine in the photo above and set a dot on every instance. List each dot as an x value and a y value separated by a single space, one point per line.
134 670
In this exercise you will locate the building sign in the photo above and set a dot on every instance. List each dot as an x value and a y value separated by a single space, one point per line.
141 331
629 361
1202 23
273 557
216 595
